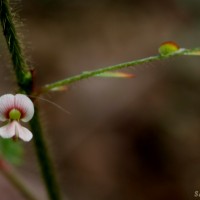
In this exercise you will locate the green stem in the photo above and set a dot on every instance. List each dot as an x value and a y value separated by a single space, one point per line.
16 181
24 80
44 158
88 74
20 67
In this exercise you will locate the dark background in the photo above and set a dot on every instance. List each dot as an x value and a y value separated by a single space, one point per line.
124 139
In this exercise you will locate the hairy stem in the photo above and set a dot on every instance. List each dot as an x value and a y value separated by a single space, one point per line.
16 181
24 80
20 67
88 74
43 155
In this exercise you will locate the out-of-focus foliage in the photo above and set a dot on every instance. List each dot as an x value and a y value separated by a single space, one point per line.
11 150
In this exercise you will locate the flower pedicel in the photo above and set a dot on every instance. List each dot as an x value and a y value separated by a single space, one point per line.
13 109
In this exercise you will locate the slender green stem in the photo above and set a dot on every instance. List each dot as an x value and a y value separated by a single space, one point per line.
88 74
24 80
16 181
44 158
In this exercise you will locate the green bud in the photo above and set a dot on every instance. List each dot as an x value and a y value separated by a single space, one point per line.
167 48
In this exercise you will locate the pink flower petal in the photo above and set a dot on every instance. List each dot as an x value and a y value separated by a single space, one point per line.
6 104
8 130
23 132
25 106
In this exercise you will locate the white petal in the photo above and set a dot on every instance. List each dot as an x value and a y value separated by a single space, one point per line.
25 105
23 132
8 130
6 104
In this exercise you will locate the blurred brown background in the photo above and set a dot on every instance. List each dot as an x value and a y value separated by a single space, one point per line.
124 139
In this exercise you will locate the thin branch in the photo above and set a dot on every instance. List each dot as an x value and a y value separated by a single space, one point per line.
96 72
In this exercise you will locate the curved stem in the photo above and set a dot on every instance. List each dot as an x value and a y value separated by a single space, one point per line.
88 74
22 72
24 80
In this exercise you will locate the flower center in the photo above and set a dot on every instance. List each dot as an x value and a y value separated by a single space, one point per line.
14 114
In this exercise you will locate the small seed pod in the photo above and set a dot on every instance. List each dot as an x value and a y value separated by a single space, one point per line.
167 48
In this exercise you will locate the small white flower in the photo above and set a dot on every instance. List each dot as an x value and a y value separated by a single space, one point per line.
14 108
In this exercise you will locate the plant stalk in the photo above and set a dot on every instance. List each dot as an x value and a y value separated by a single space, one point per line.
25 81
88 74
44 157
